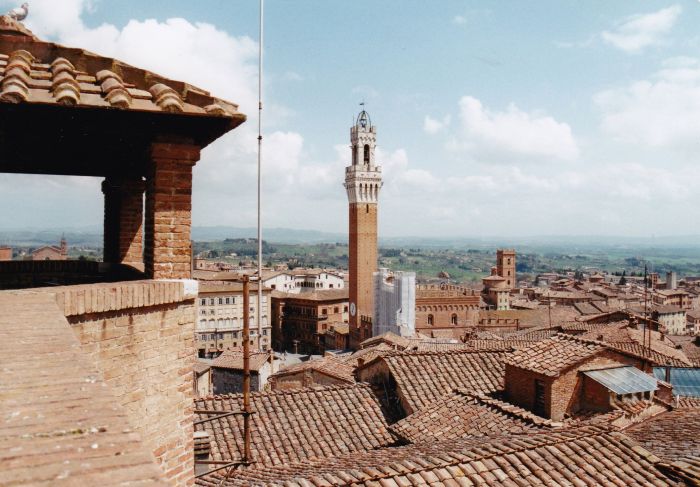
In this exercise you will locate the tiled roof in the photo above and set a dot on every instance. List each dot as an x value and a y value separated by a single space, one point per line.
367 354
555 355
331 366
38 72
670 435
290 426
654 355
685 468
233 359
424 377
586 456
462 414
390 338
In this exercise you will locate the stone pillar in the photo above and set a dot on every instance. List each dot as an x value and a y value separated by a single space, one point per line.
123 224
168 250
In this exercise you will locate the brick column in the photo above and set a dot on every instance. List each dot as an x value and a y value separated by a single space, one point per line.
123 224
168 250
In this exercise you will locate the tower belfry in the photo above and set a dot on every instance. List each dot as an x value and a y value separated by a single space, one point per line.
363 180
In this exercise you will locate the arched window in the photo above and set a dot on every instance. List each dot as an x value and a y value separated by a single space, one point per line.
366 156
430 320
453 319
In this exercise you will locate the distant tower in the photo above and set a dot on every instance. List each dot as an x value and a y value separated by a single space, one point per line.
64 246
363 180
505 265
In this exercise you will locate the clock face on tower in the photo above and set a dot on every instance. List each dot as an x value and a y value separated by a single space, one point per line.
353 310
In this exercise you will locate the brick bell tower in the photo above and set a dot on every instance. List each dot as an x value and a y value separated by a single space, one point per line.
363 180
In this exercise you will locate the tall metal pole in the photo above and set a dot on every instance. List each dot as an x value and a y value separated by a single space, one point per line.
260 107
246 370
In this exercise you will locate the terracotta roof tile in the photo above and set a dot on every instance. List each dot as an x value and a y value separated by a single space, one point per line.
424 377
295 425
34 71
233 359
331 366
580 457
670 435
462 414
553 356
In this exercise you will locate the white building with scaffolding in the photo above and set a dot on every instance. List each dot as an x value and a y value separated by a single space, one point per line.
394 302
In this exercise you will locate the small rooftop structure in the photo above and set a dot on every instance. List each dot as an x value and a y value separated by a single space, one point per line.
67 111
623 380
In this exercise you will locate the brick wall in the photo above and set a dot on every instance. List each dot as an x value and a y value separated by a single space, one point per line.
168 248
362 263
140 335
563 393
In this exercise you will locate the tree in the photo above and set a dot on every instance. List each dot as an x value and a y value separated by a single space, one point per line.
623 280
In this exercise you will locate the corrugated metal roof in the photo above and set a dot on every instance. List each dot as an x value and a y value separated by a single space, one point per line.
686 382
623 380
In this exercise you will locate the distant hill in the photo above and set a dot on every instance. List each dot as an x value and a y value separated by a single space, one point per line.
92 236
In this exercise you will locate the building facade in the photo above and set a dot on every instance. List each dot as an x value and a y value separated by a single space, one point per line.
304 319
303 280
445 309
363 180
220 318
505 265
394 303
50 252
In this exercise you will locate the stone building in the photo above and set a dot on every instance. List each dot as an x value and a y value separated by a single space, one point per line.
672 319
227 371
445 310
363 180
220 318
505 265
394 303
303 280
496 292
50 252
677 297
119 346
301 320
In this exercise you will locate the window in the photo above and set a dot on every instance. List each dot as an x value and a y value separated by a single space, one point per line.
228 300
324 311
539 398
335 310
221 300
211 301
203 302
366 154
430 320
345 309
264 332
221 336
453 319
233 300
212 336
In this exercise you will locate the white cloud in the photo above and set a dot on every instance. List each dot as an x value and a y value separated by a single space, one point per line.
433 126
459 20
643 30
513 133
662 112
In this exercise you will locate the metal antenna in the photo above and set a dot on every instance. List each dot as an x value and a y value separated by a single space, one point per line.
258 314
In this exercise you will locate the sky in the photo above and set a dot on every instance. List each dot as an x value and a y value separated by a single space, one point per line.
503 118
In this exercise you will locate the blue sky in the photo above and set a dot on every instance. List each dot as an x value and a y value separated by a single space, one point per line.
504 118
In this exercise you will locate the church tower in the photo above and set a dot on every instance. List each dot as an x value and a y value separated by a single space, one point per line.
363 180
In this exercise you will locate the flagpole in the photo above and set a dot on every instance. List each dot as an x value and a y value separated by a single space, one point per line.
258 314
